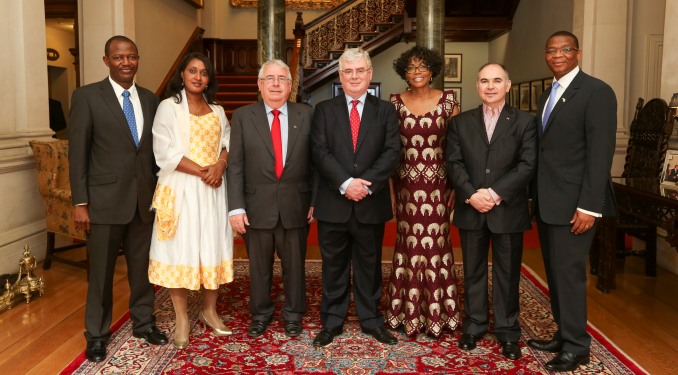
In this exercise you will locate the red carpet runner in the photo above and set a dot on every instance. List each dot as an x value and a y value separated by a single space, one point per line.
351 353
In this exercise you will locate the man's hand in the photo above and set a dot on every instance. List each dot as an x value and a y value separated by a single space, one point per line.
357 189
581 222
239 222
81 218
309 216
481 200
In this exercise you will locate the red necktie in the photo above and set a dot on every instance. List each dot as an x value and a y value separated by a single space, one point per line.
277 143
355 123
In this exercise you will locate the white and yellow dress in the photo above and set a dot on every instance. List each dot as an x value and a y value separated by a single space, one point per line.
192 242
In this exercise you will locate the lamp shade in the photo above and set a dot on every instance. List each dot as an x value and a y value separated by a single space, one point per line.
674 101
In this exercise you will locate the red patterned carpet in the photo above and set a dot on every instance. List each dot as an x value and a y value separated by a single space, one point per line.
351 353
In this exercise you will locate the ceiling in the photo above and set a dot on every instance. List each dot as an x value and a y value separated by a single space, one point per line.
472 20
61 8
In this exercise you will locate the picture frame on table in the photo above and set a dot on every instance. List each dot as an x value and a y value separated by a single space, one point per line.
373 89
536 88
452 70
669 174
524 98
669 191
515 96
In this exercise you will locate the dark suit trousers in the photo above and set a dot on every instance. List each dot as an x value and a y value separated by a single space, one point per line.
344 246
103 245
565 255
507 252
261 245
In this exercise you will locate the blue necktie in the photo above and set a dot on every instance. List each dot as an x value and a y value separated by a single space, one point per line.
128 110
550 104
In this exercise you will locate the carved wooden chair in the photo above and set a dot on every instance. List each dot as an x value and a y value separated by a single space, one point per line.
649 137
55 188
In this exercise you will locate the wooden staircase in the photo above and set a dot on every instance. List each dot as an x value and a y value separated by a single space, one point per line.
236 91
374 25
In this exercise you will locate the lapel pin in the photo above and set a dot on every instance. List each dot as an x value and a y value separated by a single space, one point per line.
563 100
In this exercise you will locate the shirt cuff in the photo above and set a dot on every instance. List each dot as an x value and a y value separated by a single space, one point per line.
82 204
594 214
237 211
495 197
344 186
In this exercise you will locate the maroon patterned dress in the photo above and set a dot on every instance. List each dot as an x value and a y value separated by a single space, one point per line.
422 289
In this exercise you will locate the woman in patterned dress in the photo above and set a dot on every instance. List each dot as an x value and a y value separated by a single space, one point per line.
192 245
422 292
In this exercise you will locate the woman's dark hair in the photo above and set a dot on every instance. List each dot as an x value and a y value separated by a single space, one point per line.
176 83
429 57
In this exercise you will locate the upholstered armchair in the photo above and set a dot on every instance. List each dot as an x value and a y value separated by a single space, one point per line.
55 188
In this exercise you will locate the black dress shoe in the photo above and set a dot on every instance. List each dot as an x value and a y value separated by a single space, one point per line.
96 351
293 328
258 327
510 350
152 335
566 361
467 341
382 335
551 346
326 336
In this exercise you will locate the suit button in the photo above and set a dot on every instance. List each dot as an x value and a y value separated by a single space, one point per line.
487 170
355 165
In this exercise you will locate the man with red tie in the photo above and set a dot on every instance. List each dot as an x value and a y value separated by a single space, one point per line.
356 147
269 183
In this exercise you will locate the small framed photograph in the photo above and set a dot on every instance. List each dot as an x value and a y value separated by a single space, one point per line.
515 96
535 93
670 170
196 3
524 90
373 89
452 71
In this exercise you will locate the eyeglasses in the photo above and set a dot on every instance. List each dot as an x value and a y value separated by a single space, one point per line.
359 71
564 51
271 79
422 68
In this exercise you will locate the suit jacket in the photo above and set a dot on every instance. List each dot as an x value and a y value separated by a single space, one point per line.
252 182
506 164
376 157
107 170
575 152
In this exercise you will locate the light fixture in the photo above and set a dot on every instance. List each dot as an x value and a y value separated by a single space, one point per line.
674 105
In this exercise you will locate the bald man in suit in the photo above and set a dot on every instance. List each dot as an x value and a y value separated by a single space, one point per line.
112 174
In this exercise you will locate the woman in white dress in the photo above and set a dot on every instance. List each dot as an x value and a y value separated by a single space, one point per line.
192 245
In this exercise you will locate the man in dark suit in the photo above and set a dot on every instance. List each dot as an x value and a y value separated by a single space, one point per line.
577 122
356 146
491 158
270 194
112 173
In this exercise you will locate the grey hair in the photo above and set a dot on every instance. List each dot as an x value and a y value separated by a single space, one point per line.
277 62
353 54
497 64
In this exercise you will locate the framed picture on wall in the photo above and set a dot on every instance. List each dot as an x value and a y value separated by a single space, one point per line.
536 88
373 89
524 89
547 82
515 97
670 171
196 3
452 71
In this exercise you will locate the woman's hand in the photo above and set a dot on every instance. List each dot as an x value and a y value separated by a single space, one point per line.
213 174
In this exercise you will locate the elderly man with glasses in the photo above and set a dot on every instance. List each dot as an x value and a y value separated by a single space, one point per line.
356 147
270 194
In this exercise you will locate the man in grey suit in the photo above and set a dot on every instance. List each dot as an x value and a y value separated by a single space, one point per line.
112 174
577 122
269 182
491 158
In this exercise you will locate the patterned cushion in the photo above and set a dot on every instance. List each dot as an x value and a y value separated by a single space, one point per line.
54 184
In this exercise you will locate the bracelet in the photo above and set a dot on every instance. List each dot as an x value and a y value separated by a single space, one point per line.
224 160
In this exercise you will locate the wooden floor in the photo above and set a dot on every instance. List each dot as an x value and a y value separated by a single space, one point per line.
42 337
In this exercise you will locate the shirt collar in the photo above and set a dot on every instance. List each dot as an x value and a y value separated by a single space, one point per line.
282 109
119 89
487 109
565 80
361 98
